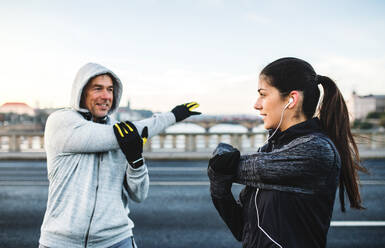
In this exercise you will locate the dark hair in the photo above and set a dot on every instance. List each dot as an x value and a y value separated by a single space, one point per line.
288 74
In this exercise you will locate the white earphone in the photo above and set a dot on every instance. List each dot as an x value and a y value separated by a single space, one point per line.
290 101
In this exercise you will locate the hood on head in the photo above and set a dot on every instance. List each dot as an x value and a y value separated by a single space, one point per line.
84 74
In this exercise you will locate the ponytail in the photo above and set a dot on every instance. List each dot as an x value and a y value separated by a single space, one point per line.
334 117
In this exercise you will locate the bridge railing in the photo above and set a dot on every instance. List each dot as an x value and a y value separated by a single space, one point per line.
180 142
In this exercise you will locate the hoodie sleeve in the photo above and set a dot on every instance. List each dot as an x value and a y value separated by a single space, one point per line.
68 132
156 124
137 183
306 165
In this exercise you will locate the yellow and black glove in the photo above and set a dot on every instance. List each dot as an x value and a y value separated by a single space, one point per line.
184 111
131 142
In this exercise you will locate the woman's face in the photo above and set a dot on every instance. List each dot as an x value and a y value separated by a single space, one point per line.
269 103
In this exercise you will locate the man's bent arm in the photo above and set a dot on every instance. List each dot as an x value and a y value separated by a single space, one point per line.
137 182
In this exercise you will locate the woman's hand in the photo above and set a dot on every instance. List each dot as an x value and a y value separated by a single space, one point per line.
225 163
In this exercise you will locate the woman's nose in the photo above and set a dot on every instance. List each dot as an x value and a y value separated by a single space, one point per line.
258 105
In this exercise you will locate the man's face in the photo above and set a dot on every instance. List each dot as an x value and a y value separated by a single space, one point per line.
99 95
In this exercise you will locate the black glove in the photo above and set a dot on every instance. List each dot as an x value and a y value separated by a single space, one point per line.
220 185
183 111
130 142
225 159
226 163
222 170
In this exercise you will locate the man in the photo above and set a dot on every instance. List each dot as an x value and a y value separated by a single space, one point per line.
95 165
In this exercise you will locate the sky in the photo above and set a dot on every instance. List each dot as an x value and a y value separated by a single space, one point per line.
171 52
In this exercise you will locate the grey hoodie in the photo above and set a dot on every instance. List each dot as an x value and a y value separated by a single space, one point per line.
90 181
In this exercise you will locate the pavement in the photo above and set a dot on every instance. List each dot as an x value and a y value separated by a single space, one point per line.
178 212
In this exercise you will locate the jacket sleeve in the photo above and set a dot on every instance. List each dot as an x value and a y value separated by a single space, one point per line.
137 183
68 132
223 200
305 165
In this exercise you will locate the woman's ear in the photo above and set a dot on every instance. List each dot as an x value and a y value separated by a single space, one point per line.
294 98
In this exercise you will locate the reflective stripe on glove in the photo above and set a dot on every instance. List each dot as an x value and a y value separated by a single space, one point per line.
184 111
130 142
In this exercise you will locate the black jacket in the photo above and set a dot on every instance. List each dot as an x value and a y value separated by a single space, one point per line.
290 189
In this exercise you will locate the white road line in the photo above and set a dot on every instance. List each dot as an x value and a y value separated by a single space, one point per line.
155 183
176 183
357 223
372 182
23 183
21 172
177 168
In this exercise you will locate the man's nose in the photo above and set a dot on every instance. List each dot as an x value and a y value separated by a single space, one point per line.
106 94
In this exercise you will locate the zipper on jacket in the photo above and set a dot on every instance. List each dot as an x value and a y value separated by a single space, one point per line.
96 196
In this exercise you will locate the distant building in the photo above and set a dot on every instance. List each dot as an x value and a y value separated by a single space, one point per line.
126 113
360 106
17 108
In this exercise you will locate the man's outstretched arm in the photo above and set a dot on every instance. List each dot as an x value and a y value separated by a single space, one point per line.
159 122
68 132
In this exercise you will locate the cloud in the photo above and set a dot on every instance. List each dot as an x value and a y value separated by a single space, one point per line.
214 2
255 18
365 76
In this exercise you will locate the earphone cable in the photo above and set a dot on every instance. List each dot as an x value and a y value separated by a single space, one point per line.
279 124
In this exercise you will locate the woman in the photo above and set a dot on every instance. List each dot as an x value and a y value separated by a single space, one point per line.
292 180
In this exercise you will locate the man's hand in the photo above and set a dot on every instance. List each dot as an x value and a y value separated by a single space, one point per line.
130 142
184 111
